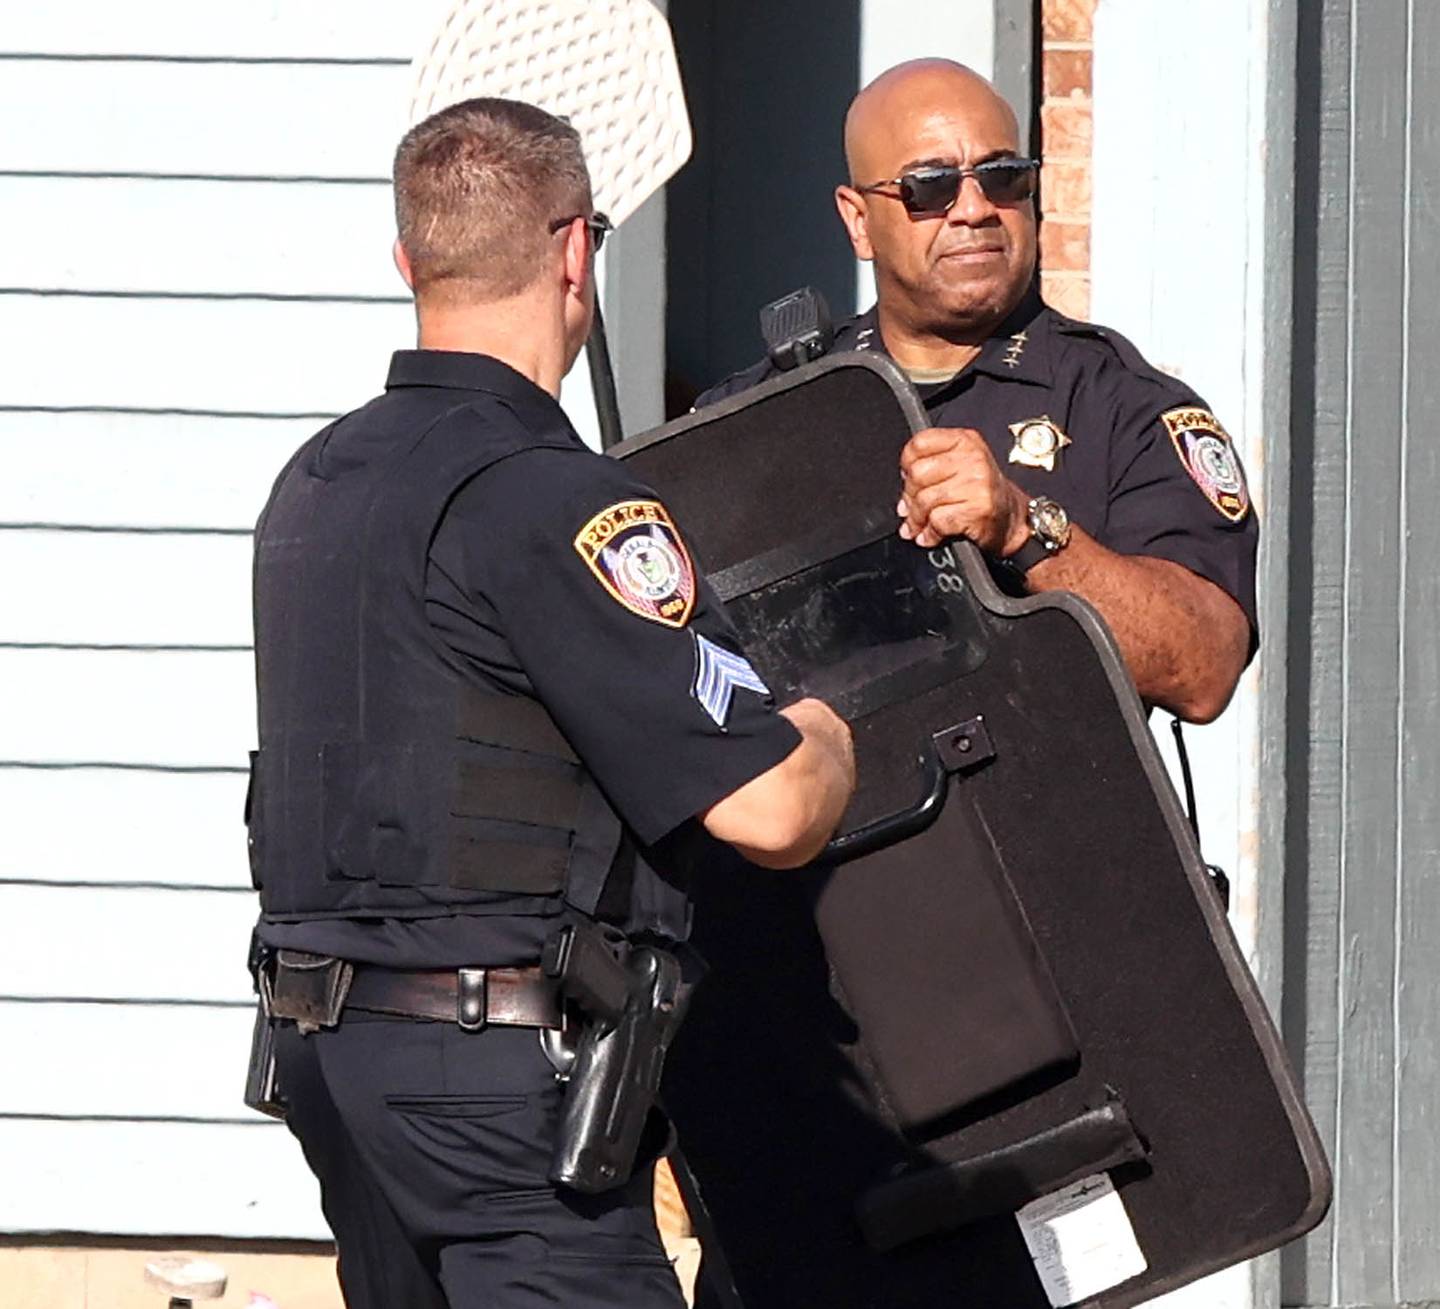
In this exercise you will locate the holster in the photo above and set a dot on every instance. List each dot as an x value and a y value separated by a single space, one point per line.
262 1087
611 1092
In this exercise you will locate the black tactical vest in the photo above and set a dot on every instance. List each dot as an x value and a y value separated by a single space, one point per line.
390 780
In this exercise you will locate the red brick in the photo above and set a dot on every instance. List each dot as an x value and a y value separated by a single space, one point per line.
1065 188
1067 20
1064 247
1066 129
1067 292
1066 72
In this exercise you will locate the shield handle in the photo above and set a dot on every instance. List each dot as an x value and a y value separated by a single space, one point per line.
958 749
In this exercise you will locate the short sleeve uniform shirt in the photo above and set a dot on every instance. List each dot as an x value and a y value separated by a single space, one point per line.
544 578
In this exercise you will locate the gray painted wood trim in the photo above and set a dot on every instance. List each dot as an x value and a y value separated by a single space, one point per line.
1275 601
1274 597
1015 72
1362 903
1417 1021
1366 961
635 310
635 314
1317 579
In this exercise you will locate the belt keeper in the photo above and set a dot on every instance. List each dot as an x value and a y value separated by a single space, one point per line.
470 999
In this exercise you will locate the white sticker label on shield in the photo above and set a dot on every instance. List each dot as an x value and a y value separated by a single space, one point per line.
1081 1240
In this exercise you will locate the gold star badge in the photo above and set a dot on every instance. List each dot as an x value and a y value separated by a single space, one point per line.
1037 442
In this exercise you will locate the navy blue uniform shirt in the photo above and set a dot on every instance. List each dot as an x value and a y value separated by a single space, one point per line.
1072 411
510 590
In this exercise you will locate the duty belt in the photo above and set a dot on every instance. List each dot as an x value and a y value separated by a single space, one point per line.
314 990
471 997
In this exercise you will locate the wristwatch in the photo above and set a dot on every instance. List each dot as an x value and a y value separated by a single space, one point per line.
1049 534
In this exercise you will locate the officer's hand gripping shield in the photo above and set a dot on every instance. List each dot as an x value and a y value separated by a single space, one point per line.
1010 976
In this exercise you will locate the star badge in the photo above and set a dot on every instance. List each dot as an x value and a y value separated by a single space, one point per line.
1037 442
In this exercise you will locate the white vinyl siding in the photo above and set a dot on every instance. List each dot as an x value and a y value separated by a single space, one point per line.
197 274
188 237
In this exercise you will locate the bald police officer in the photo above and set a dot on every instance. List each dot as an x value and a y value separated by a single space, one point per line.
1056 447
496 696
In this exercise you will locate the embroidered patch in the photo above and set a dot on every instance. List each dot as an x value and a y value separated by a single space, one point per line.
719 673
1037 442
635 551
1208 456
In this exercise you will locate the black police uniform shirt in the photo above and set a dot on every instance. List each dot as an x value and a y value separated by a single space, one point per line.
1072 411
510 589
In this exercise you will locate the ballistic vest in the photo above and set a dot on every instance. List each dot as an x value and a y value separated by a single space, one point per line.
391 780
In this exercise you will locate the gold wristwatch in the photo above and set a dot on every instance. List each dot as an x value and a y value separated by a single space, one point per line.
1049 534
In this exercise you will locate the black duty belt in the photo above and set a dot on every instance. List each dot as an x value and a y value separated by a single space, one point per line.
471 997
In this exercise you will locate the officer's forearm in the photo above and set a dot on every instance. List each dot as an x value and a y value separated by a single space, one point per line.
1184 640
783 818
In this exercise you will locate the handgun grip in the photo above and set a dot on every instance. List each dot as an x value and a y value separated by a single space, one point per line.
579 958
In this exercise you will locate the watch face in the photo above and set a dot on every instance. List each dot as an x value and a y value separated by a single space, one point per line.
1050 522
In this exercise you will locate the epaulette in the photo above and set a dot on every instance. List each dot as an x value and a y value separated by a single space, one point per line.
1121 347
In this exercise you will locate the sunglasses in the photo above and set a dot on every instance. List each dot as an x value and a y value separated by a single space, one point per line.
933 190
598 224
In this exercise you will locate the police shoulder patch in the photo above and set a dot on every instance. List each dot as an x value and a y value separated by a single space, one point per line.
1208 455
636 553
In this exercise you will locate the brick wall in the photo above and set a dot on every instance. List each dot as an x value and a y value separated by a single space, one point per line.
1066 129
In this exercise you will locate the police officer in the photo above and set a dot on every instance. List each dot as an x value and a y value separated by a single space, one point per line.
1056 447
496 696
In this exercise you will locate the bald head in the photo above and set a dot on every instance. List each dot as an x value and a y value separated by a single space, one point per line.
948 276
899 103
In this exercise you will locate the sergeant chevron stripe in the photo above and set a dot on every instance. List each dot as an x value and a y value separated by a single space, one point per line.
717 675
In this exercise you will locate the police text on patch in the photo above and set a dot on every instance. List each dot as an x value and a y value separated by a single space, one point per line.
1207 454
635 551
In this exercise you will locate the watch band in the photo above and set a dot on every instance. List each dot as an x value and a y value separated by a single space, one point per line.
1028 555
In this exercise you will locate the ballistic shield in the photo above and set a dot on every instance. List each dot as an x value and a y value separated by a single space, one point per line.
1009 988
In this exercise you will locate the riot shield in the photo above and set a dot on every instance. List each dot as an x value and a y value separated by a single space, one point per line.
1009 988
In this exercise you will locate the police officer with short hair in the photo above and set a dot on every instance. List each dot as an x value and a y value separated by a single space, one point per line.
1056 447
496 697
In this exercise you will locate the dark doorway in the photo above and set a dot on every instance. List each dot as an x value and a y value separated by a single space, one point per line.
751 217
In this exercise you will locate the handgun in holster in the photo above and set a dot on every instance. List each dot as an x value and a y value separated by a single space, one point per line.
308 990
633 1000
262 1087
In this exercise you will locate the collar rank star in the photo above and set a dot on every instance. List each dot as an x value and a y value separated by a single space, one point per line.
719 673
1205 451
635 551
1037 442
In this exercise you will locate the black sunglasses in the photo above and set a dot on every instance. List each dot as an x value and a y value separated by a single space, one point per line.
600 227
933 190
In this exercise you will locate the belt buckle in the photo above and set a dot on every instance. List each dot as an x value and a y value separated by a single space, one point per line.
471 999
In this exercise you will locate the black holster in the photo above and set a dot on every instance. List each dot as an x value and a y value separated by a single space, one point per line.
262 1087
308 990
632 1011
